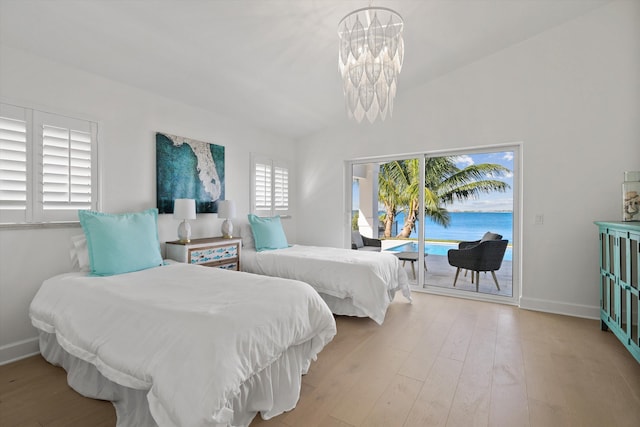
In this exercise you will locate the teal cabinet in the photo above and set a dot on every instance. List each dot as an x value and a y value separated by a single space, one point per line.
619 295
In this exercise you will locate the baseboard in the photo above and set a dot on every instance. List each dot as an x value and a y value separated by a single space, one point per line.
19 350
576 310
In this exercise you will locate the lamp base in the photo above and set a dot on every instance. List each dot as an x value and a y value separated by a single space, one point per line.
184 232
227 229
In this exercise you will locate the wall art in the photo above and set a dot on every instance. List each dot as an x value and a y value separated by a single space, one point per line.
188 169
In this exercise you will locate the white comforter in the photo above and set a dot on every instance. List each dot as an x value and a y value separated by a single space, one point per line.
189 334
368 279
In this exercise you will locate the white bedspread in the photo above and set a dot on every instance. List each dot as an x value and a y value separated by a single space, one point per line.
369 280
189 334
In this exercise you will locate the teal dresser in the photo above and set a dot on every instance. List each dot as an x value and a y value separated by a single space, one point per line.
619 262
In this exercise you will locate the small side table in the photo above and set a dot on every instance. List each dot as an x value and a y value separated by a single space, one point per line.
411 257
211 252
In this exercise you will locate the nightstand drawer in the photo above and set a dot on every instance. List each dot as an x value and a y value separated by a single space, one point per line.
210 252
230 266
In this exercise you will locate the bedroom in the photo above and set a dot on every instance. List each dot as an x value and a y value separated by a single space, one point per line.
570 94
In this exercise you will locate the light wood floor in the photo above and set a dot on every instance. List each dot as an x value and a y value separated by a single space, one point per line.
439 361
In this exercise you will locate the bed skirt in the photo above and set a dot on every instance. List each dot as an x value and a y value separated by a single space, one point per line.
270 392
344 306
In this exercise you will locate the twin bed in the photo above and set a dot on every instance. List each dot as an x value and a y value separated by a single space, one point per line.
183 345
352 283
172 344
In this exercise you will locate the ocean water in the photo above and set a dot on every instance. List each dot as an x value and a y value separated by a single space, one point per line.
465 226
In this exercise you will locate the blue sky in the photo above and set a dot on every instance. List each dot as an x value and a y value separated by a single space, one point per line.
493 201
485 202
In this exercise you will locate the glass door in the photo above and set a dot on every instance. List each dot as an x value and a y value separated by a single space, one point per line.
469 222
461 208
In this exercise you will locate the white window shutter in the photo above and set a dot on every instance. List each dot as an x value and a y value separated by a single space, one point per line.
262 181
15 182
269 187
66 176
281 190
48 166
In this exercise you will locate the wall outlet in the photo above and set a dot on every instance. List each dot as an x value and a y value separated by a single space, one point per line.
539 219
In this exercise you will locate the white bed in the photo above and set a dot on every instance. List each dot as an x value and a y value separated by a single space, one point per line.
353 283
183 345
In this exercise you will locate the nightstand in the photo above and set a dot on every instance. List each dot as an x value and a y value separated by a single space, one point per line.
212 252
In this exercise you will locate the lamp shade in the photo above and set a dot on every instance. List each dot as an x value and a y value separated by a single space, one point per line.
226 209
184 209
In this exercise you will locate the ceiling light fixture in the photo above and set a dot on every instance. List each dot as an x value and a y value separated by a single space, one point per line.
370 59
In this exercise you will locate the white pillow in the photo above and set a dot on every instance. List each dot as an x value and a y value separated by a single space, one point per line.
79 253
247 236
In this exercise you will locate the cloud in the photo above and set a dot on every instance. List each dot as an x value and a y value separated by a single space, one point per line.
508 156
497 204
499 175
464 161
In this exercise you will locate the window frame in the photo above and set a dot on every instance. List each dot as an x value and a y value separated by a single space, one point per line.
272 208
35 212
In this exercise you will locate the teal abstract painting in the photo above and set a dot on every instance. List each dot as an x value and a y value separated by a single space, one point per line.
188 169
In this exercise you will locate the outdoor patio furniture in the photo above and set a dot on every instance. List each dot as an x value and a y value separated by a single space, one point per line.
363 243
412 257
484 255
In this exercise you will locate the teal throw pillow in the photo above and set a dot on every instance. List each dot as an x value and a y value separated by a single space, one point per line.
121 243
267 233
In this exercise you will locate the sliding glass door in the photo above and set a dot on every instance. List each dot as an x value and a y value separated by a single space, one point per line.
450 218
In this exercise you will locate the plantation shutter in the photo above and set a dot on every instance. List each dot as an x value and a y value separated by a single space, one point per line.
66 173
14 179
269 187
281 190
262 198
48 166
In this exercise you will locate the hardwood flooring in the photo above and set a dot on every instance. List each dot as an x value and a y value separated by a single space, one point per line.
437 362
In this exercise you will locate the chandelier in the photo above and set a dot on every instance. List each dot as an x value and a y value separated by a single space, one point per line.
370 58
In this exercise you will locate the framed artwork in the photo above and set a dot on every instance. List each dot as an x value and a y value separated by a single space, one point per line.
188 169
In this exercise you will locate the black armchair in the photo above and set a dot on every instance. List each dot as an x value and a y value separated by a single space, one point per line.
482 255
363 243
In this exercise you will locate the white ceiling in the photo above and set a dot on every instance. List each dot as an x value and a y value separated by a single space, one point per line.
272 63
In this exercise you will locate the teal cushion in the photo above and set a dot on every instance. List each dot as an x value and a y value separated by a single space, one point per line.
267 233
121 243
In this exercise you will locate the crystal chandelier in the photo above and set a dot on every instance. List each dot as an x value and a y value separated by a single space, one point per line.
370 59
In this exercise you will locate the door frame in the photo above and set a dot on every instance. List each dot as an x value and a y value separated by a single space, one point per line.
516 273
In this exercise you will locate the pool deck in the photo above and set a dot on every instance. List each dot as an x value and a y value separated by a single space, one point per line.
440 274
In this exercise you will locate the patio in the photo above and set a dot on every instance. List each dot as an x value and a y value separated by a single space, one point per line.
441 274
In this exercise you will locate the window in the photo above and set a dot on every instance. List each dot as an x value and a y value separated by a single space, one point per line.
48 166
270 187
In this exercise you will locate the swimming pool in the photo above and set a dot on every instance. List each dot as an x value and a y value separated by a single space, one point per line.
432 248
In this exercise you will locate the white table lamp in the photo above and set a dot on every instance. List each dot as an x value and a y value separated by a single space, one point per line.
184 209
226 210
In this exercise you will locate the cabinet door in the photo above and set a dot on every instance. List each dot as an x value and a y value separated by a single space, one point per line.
628 278
608 288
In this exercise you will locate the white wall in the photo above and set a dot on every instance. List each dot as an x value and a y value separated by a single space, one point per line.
571 95
128 119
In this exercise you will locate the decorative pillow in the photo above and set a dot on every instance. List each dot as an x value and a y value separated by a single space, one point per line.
79 253
356 238
490 236
247 236
267 233
121 243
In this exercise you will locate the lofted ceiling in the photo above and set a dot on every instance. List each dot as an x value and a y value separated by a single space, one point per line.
270 63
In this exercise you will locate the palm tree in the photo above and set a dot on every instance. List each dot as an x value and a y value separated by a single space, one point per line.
389 194
444 183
